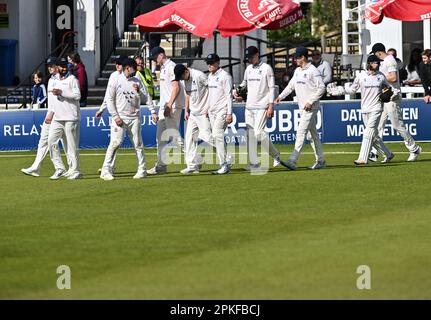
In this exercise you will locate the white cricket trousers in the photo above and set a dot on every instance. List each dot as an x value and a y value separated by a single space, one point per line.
392 110
198 127
167 130
218 126
133 129
308 125
255 120
42 147
69 132
371 137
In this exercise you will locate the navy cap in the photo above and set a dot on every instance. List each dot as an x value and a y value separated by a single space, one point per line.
129 62
52 61
378 47
120 59
155 52
250 51
179 71
373 58
62 62
211 58
301 51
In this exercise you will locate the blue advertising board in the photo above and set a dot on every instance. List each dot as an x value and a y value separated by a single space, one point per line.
338 121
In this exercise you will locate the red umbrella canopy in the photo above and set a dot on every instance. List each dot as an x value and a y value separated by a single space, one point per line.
404 10
230 17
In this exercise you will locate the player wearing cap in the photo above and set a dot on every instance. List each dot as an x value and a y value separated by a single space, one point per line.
42 148
370 82
196 114
220 108
172 102
259 79
113 77
309 87
124 97
64 119
392 109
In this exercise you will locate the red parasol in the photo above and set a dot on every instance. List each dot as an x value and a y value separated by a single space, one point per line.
404 10
229 17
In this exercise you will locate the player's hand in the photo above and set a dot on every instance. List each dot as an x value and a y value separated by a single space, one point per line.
277 100
48 118
168 109
427 99
186 116
270 111
57 92
136 87
307 107
119 121
155 117
228 119
99 114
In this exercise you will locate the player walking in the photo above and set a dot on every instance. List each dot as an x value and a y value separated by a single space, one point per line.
392 109
172 102
308 85
220 109
124 97
42 148
259 79
370 82
65 121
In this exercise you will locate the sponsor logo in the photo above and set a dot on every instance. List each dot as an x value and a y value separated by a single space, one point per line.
259 13
182 22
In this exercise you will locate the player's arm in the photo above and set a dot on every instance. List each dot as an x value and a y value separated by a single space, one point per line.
288 90
271 92
110 98
73 92
145 96
227 90
354 87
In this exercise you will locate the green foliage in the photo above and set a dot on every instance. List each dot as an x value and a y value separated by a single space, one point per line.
322 17
296 33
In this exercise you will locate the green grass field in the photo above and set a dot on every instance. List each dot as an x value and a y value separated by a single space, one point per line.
283 235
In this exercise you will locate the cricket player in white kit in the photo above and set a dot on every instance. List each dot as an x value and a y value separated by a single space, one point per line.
392 109
124 97
65 122
309 87
370 82
220 109
42 148
196 114
172 102
113 77
259 79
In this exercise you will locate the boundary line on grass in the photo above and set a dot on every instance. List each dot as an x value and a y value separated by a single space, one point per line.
212 153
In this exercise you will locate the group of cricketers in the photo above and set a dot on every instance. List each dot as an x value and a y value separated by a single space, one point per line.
207 104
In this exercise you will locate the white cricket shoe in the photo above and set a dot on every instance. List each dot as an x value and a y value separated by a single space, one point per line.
68 173
30 172
75 176
373 157
58 174
276 162
107 176
224 169
140 175
388 158
414 155
359 162
157 170
318 165
289 164
189 171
